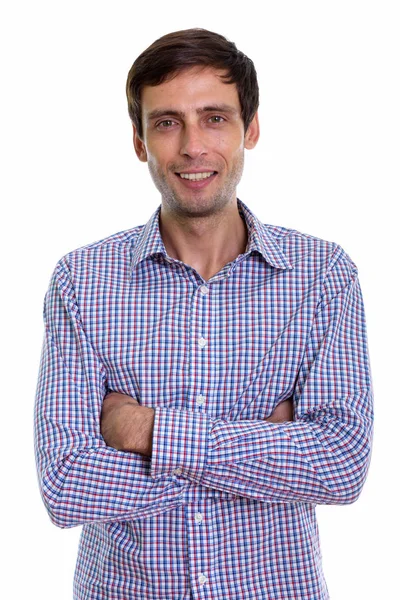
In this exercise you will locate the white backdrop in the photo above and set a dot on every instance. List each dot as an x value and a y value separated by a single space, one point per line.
327 164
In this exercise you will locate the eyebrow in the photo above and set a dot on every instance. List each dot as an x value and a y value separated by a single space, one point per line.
162 112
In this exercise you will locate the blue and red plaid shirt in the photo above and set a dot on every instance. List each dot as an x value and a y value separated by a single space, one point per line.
225 507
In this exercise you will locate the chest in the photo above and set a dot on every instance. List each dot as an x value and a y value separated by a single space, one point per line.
173 340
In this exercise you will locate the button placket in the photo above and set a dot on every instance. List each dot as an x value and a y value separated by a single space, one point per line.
201 543
200 341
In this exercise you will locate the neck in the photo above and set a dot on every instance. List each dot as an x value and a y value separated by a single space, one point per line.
205 243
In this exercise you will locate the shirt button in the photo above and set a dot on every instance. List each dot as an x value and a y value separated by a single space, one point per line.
202 342
200 399
202 579
204 290
198 517
177 471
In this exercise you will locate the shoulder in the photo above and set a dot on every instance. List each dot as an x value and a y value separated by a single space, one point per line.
304 248
117 242
110 255
314 261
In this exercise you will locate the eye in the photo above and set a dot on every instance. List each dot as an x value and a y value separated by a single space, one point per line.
216 119
166 124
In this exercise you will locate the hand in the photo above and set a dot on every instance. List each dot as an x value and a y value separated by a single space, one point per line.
125 425
283 412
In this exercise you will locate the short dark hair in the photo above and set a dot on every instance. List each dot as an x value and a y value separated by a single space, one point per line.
181 50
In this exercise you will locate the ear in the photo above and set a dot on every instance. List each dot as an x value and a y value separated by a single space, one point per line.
139 146
252 134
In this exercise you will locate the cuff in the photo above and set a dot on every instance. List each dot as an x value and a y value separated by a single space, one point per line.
180 443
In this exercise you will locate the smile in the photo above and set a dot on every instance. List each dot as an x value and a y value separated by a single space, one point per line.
196 176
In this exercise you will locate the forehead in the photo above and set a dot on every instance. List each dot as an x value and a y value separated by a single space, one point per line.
191 89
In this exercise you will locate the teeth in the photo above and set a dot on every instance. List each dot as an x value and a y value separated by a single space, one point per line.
196 175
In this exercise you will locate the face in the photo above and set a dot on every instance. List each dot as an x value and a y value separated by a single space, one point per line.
194 141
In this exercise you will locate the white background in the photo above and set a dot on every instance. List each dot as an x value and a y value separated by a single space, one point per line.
327 164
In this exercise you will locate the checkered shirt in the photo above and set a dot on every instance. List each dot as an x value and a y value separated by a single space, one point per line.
225 507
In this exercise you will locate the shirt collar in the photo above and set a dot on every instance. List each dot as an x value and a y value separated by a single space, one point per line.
260 239
149 242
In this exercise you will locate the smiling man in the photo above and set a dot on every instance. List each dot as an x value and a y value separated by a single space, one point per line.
193 140
205 378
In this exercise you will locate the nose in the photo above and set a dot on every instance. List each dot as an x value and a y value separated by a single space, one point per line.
193 143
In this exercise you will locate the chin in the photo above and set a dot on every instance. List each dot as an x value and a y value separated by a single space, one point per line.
198 211
197 207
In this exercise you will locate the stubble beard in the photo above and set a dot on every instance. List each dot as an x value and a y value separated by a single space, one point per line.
196 204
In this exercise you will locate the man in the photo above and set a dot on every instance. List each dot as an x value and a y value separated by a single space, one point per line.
205 379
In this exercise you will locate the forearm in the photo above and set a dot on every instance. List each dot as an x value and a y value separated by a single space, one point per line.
324 461
83 480
105 485
125 425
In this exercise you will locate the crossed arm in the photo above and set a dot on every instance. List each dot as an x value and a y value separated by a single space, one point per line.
321 456
127 426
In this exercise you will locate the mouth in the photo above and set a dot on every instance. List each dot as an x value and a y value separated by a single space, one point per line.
196 176
196 180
